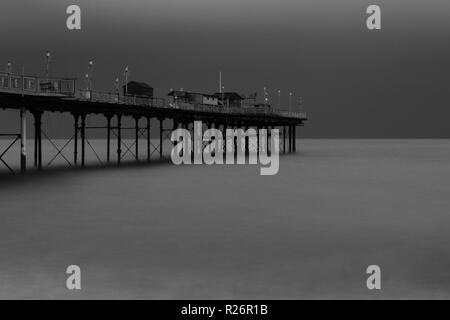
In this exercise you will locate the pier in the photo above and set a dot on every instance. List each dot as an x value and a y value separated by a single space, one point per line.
34 96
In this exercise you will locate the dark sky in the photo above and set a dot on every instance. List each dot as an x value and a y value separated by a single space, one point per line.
354 82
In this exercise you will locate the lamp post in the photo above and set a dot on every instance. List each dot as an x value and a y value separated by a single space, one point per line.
88 92
91 65
117 85
300 102
117 89
266 98
279 98
126 80
47 64
222 90
9 66
290 101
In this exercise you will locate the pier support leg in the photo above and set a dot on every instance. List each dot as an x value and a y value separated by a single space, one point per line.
269 139
35 146
38 139
192 139
136 136
224 132
161 132
75 139
108 139
290 138
294 140
119 138
225 139
284 139
83 140
257 140
148 139
235 142
23 140
247 141
40 145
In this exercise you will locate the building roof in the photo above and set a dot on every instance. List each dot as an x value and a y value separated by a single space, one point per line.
177 93
139 84
228 95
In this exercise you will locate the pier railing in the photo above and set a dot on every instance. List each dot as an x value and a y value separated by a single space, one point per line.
66 87
116 98
37 85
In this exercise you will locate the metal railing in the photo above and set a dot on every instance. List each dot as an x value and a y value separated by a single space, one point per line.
116 98
66 87
293 114
37 85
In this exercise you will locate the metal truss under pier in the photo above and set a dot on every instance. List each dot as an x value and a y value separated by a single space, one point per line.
81 109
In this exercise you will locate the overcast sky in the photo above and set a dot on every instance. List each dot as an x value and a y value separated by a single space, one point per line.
354 82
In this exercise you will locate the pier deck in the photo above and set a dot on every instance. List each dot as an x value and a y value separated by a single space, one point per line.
26 95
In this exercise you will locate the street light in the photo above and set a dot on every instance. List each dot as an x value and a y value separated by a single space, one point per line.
300 102
266 99
222 90
9 66
117 85
88 92
290 101
117 89
47 65
126 80
279 98
91 65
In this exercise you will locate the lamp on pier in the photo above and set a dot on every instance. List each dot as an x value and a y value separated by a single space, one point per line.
266 98
126 80
91 65
117 85
47 64
290 100
279 98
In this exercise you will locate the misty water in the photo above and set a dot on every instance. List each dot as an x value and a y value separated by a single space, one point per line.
161 231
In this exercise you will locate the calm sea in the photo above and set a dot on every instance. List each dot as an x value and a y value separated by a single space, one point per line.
161 231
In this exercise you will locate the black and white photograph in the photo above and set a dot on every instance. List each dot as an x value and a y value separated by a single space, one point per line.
224 150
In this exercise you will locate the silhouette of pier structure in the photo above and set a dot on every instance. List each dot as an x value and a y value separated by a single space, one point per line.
38 95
